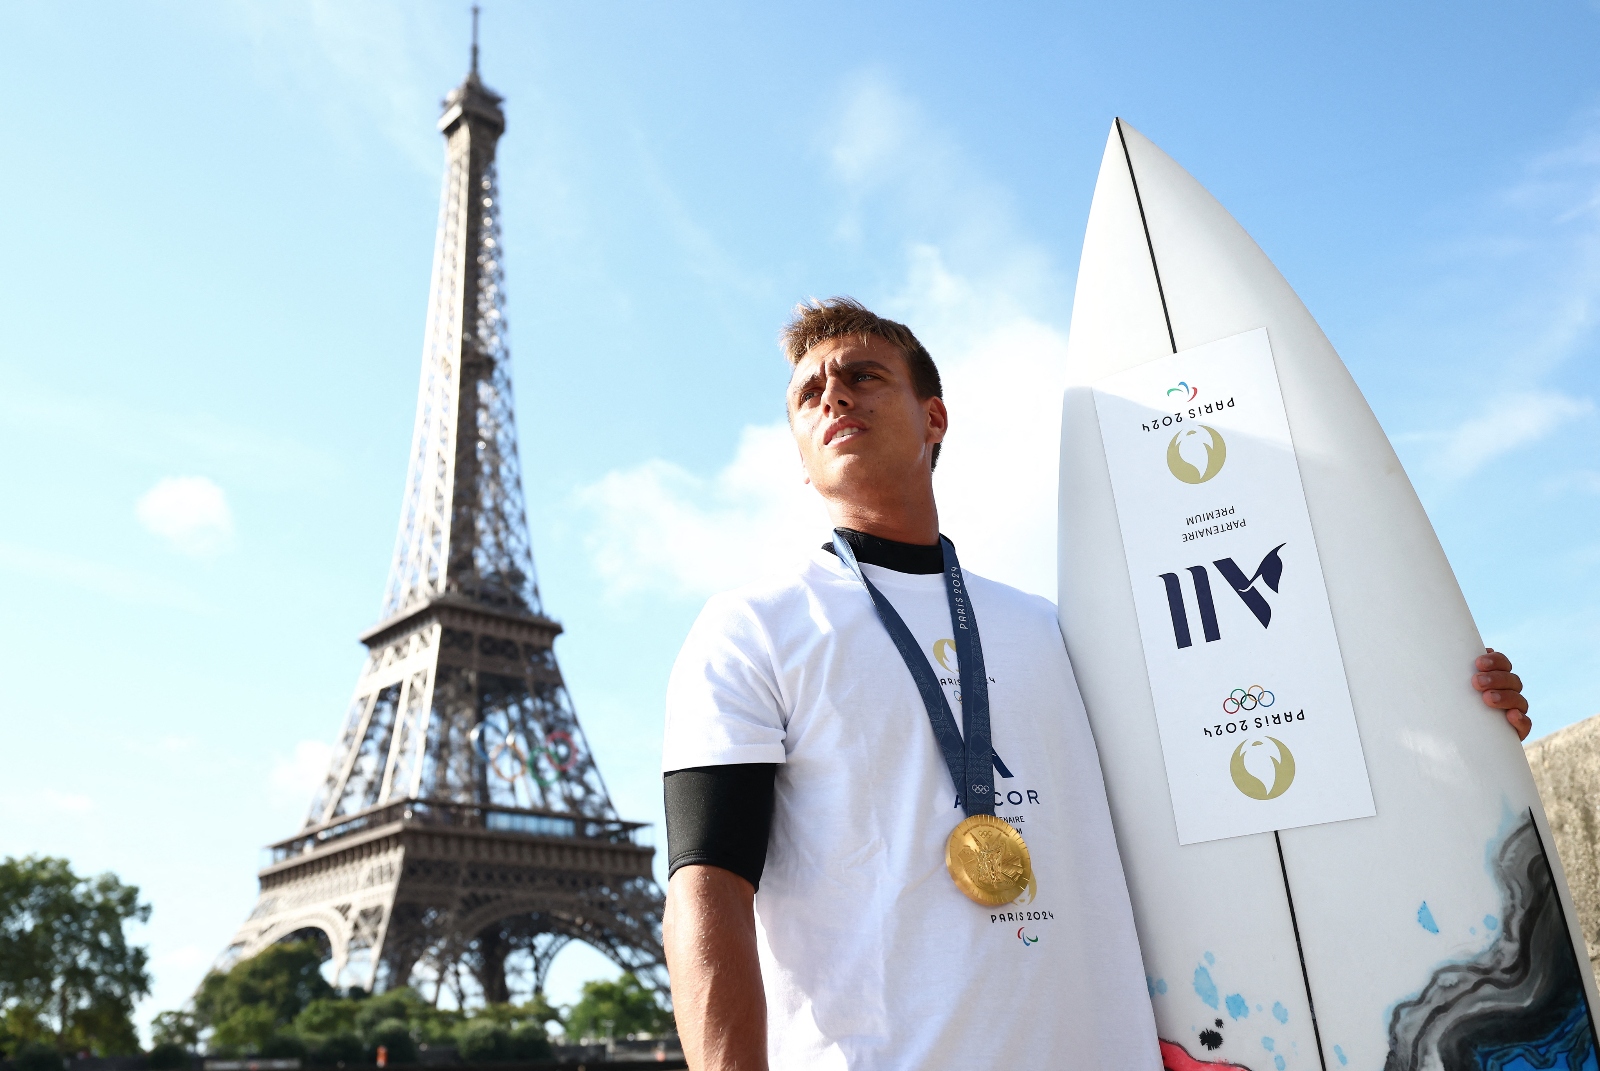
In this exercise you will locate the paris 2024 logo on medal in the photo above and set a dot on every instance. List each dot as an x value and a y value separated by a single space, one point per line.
1196 454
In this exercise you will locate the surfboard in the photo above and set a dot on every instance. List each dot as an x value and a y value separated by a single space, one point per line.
1408 911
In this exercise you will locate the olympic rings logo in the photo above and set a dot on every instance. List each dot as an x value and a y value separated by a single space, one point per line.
558 749
1247 699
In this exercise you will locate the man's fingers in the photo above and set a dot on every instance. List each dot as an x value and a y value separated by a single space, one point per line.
1520 722
1502 690
1505 700
1493 660
1501 681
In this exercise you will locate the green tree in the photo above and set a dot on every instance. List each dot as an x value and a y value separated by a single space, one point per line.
483 1041
625 1004
340 1050
68 976
394 1037
169 1056
37 1056
530 1042
325 1017
541 1011
260 996
175 1028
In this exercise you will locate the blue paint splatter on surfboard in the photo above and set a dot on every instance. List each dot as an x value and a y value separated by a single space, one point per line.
1204 987
1237 1007
1425 918
1337 1051
1280 1013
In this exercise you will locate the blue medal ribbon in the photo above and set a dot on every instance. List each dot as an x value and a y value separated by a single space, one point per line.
970 760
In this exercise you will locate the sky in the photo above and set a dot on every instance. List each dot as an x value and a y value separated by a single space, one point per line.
217 230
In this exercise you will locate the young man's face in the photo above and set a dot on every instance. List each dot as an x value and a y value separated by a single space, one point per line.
861 429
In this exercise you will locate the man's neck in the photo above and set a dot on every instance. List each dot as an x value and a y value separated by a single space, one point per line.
916 558
915 522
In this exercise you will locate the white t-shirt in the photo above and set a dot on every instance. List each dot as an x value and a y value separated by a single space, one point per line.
870 956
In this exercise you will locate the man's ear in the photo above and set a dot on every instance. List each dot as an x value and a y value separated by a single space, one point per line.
938 420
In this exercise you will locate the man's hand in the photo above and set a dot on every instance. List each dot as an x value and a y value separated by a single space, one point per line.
717 999
1502 689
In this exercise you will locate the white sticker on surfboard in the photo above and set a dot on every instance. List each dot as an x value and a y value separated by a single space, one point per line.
1257 730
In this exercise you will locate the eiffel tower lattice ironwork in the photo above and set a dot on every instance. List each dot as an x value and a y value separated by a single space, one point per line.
463 824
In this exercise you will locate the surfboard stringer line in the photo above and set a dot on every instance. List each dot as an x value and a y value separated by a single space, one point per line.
1172 338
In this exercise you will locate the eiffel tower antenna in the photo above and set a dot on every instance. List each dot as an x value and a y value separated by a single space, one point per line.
463 821
474 41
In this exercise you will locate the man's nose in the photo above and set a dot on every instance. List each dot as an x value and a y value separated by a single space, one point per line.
835 396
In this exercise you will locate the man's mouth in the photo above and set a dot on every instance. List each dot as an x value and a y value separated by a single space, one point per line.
841 429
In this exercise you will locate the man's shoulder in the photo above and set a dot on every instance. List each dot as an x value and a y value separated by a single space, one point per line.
777 592
1025 605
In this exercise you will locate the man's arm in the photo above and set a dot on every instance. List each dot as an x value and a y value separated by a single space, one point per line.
1502 690
709 932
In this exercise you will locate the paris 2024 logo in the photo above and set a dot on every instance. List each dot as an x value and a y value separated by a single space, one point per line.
1248 765
1196 454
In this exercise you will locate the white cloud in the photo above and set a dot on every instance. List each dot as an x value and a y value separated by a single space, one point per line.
1508 424
295 777
968 286
190 512
660 527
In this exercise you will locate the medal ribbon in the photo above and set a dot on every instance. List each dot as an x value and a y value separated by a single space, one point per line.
971 761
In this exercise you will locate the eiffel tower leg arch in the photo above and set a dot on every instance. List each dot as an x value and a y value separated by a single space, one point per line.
512 914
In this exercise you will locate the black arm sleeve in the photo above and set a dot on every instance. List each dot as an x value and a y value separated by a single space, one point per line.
720 816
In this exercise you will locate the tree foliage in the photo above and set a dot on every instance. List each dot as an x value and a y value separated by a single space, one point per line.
260 996
175 1028
68 976
484 1041
277 1003
617 1009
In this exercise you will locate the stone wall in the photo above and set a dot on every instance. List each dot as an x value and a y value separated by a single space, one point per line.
1566 767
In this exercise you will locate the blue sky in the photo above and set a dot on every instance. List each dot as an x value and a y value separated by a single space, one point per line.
217 235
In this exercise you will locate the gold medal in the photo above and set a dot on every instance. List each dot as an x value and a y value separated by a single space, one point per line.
989 861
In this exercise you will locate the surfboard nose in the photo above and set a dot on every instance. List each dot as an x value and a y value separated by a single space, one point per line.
1117 304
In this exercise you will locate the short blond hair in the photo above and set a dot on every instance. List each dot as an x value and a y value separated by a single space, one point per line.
815 322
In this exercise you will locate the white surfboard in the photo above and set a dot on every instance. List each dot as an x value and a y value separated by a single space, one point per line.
1394 900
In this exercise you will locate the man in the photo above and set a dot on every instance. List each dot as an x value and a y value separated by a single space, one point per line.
804 760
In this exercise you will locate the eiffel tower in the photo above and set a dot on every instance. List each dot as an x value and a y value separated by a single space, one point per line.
463 833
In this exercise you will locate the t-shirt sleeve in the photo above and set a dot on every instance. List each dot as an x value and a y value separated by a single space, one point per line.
724 703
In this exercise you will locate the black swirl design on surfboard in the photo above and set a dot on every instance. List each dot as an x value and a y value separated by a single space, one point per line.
1521 1001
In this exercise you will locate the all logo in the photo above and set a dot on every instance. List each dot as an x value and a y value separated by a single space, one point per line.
1269 573
1195 455
1024 938
1248 782
1184 392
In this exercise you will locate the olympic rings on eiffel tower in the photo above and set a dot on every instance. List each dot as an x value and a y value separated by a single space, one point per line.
1247 699
562 765
558 748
